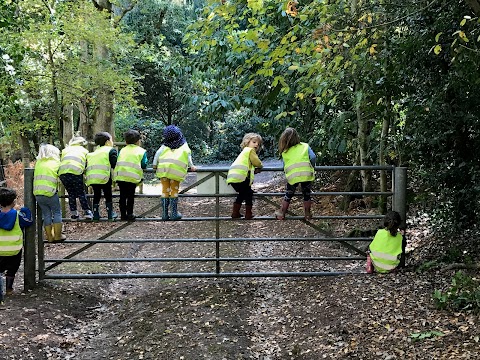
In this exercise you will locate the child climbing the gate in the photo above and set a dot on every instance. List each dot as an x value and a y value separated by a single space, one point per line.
298 164
171 163
241 174
386 247
12 223
45 185
128 173
72 166
98 174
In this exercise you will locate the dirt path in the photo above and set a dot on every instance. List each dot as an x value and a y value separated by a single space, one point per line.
343 317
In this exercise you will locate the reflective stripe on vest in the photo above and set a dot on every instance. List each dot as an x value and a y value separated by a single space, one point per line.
11 242
128 166
73 160
384 250
173 163
98 166
45 178
297 164
241 167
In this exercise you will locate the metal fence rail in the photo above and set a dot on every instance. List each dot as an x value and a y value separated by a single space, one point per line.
34 244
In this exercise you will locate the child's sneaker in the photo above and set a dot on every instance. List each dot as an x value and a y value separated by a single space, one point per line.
74 215
88 215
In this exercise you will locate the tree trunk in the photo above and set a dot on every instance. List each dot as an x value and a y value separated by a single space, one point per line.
25 150
385 131
104 111
474 5
362 137
383 146
103 119
362 124
56 101
68 128
351 185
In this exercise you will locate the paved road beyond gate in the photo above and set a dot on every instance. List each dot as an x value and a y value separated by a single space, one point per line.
38 268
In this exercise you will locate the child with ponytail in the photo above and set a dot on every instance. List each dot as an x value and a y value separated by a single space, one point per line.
386 247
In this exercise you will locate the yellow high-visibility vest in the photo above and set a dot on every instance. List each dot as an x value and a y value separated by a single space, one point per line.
11 242
45 177
98 166
297 164
385 250
241 167
73 160
128 166
173 163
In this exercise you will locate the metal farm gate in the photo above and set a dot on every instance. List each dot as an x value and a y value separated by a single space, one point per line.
210 184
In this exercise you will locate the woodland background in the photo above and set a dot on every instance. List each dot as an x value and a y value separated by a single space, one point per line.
364 82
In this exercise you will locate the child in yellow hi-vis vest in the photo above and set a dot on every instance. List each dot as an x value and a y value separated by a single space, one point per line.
45 185
171 163
128 173
386 247
98 173
241 174
298 163
12 222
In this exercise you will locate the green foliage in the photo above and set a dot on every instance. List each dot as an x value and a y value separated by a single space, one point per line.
452 255
164 77
229 135
151 130
463 294
428 265
425 335
62 52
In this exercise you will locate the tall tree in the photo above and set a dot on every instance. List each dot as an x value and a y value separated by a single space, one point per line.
54 76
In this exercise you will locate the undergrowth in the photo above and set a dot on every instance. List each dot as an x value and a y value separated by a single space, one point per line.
463 294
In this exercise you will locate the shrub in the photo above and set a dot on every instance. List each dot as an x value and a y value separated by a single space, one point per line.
463 294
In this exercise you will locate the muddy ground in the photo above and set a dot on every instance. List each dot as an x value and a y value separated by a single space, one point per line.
353 316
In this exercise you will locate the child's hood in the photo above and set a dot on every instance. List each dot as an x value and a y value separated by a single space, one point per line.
7 219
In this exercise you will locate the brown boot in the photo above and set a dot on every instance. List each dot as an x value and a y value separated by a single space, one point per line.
280 213
307 205
236 211
57 230
248 212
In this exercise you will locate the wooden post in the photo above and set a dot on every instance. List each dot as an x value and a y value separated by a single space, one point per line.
29 247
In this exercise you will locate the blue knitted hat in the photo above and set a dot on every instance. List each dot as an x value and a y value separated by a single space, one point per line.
173 137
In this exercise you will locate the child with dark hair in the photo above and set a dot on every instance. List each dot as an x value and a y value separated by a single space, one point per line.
242 172
98 174
386 247
128 173
298 163
171 163
12 223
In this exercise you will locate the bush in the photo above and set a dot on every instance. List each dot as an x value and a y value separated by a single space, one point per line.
464 294
229 134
